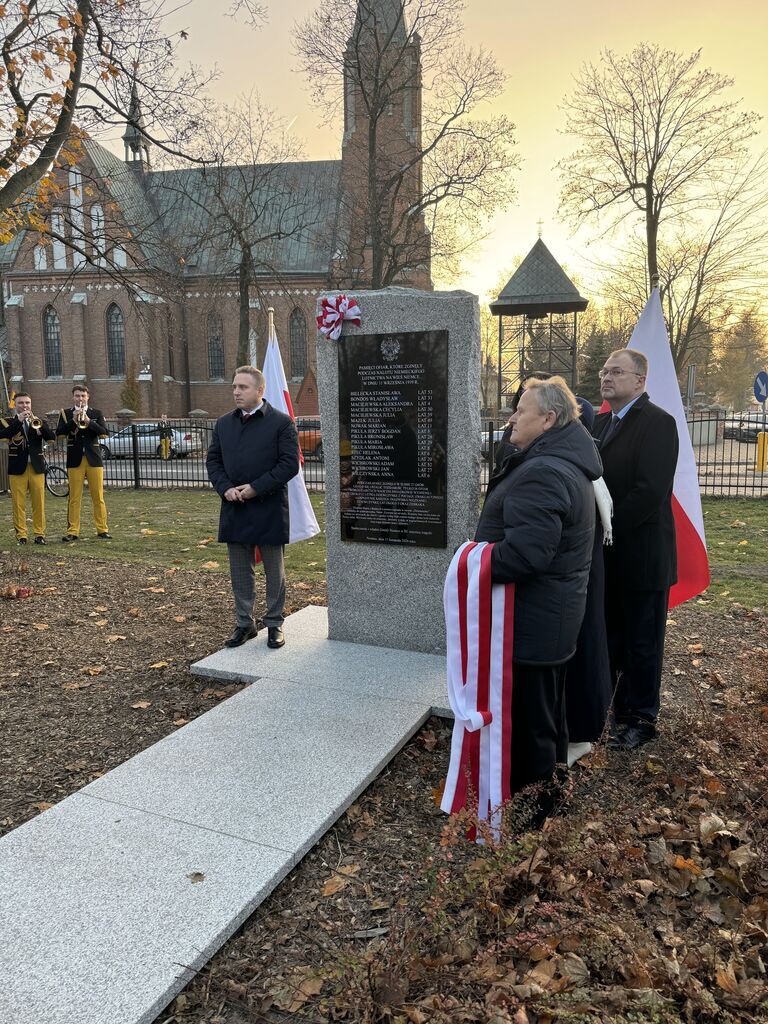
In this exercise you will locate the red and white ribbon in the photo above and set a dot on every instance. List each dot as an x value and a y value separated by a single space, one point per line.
479 621
334 311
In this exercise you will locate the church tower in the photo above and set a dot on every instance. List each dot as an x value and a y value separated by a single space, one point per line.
385 242
134 139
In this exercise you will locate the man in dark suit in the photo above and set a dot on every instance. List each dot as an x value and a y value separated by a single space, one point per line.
638 445
26 466
253 455
83 426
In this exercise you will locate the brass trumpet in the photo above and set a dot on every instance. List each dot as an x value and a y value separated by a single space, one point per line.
80 417
35 422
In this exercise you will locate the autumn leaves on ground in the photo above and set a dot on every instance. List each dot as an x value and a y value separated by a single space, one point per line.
647 900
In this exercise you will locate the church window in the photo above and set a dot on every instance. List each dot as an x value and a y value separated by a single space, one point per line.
170 344
297 331
59 247
98 233
52 342
76 217
115 341
41 257
215 347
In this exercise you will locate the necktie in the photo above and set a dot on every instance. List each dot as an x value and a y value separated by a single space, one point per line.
612 428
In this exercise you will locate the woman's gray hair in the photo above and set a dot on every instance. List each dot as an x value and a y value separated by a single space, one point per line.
554 395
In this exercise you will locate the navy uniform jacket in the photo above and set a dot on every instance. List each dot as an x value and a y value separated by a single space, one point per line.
82 442
21 449
639 461
262 451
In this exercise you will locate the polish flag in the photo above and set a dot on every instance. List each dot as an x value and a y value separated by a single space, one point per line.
650 337
303 523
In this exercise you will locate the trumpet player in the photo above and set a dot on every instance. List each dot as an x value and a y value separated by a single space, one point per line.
83 426
26 434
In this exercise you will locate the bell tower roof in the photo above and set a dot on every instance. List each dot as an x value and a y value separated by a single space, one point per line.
134 137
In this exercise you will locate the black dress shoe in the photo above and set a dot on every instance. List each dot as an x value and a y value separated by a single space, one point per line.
39 540
22 540
240 634
635 735
275 637
104 536
68 538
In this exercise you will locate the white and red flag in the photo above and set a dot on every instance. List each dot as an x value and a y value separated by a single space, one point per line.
303 523
650 337
479 623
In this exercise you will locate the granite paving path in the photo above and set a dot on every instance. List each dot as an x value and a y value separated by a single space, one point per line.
113 899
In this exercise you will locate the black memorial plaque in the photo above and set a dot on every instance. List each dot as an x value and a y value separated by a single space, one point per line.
393 435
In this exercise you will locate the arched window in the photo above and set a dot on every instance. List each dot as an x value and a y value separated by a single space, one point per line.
215 347
98 233
297 331
59 248
115 341
170 344
51 342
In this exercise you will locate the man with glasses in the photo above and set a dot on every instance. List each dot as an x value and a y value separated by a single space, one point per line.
638 445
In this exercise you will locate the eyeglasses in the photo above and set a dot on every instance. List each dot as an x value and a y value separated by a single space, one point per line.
616 371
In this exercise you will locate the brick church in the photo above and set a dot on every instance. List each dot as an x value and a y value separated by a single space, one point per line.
126 296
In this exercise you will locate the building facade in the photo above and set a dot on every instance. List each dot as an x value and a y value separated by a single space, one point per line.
137 288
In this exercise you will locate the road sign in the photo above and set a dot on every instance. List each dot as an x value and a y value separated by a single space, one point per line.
761 386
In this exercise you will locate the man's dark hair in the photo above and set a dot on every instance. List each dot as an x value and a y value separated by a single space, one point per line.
80 387
22 394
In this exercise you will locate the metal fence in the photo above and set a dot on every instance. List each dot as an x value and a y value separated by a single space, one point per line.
726 450
134 456
725 447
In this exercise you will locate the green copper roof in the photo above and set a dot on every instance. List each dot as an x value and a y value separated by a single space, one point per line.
539 286
385 18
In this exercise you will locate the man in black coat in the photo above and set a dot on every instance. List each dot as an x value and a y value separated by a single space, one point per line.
638 445
253 455
540 515
83 427
26 466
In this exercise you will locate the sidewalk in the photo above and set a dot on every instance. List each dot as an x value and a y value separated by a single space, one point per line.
115 897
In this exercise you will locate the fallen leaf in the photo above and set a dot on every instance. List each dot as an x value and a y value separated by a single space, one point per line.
429 739
115 637
160 664
77 684
178 722
340 879
43 806
148 533
179 618
210 565
134 612
141 704
93 670
196 876
40 626
153 590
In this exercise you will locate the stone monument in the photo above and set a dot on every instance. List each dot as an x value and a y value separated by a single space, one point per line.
399 406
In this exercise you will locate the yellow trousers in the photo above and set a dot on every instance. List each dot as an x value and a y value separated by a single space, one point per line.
33 482
95 477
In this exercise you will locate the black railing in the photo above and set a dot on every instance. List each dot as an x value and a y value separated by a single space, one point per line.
725 447
136 456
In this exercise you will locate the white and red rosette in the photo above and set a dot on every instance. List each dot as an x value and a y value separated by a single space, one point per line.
335 309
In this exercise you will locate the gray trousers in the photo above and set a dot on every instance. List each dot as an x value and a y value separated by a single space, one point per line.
242 572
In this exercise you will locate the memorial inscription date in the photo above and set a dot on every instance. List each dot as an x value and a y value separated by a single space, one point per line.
393 436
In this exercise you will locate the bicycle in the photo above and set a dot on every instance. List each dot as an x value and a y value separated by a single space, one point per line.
56 479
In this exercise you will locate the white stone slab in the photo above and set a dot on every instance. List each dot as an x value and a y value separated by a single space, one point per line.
100 922
276 764
346 667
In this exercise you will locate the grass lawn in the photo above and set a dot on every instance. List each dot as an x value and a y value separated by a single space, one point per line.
159 528
167 528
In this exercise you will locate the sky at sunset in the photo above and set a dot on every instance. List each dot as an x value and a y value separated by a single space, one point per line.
540 46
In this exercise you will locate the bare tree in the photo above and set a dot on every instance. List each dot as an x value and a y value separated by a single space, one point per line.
709 267
423 170
657 135
238 210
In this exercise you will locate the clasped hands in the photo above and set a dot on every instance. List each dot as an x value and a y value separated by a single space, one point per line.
242 493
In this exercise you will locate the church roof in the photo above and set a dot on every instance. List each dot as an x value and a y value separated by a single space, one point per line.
539 286
295 202
385 17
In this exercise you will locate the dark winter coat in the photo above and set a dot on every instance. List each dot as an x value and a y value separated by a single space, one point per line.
262 451
639 462
25 449
540 515
82 442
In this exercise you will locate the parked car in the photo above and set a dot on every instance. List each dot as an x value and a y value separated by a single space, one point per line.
745 426
120 445
497 436
310 436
